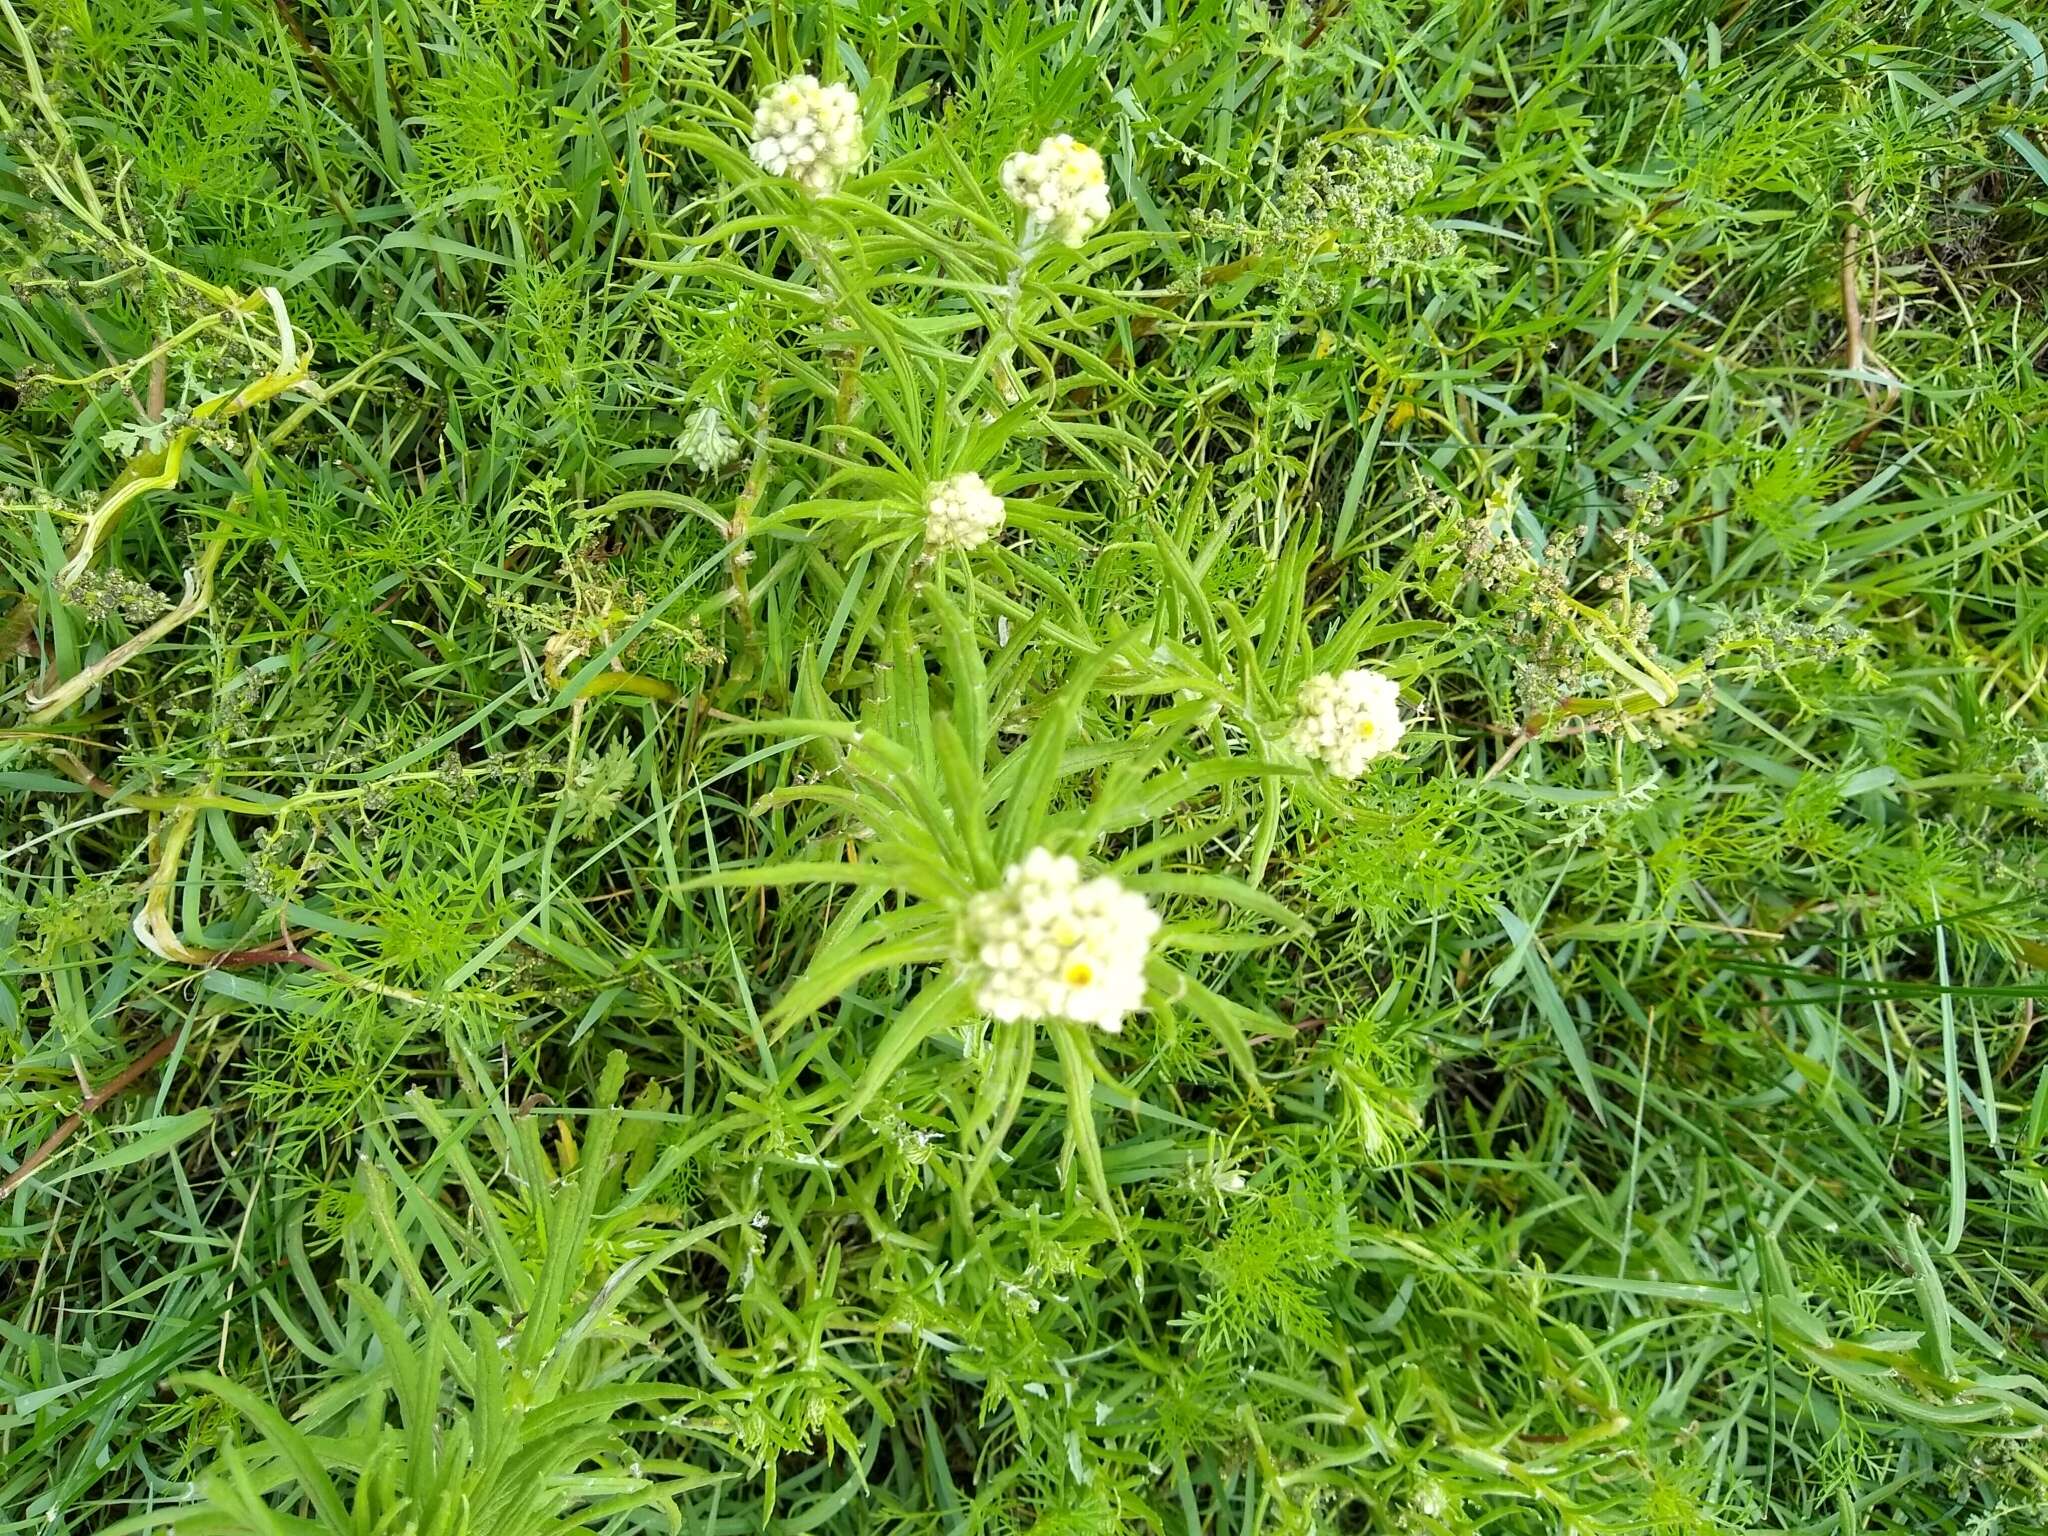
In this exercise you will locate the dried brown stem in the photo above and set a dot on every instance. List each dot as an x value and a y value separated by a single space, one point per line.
289 15
125 1080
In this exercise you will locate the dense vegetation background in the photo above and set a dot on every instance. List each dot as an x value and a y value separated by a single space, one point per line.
1620 1112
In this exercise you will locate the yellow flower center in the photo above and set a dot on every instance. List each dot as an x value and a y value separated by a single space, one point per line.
1079 973
1365 728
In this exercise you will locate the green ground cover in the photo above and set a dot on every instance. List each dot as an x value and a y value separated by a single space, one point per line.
526 999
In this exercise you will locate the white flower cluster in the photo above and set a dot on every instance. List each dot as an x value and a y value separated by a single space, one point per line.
961 512
706 441
809 132
1052 945
1346 719
1060 186
1430 1499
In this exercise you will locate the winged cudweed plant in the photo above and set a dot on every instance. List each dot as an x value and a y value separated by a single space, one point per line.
970 874
504 1395
937 482
1064 194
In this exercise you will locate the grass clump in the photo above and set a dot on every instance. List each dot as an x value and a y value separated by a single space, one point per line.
1270 769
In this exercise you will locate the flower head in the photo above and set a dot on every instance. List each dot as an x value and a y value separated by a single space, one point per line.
706 441
1051 945
960 512
1060 187
1429 1498
1346 719
809 132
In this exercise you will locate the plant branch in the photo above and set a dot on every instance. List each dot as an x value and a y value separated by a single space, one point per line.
98 1099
